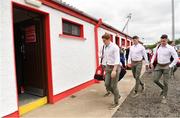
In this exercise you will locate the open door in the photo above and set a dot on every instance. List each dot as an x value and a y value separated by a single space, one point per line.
30 56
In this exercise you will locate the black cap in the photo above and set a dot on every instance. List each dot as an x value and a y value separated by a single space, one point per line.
164 36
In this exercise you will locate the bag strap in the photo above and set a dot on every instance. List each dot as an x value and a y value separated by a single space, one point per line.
102 54
157 49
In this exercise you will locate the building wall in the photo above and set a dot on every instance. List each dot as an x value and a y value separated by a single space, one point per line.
73 60
8 97
101 31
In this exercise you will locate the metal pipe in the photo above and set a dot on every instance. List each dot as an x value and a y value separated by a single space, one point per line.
173 27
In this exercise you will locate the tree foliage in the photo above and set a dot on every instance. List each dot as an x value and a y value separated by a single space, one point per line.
177 41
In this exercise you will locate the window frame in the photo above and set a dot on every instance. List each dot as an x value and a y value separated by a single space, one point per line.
123 42
71 35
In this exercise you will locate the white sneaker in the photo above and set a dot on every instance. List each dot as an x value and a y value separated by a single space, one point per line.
135 94
164 101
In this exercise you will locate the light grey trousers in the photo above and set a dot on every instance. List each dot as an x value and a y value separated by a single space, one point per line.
158 72
111 84
136 70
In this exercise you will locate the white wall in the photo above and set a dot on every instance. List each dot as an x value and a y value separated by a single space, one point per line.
8 98
73 61
101 32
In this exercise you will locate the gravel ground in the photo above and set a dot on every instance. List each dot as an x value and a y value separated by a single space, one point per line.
148 104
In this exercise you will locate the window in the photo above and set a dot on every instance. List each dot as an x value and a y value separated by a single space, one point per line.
111 37
128 43
123 42
71 28
117 40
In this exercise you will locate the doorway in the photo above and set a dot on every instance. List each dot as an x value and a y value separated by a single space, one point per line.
30 56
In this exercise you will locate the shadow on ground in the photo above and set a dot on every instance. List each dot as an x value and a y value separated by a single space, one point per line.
148 104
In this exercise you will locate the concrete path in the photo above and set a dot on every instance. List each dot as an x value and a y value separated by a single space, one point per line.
88 102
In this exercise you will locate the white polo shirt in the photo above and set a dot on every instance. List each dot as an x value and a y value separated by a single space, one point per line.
136 53
164 54
111 55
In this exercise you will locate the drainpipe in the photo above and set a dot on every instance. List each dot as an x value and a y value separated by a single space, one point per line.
96 40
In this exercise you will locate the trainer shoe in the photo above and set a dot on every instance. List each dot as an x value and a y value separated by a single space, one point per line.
135 94
143 88
161 93
164 101
107 94
114 106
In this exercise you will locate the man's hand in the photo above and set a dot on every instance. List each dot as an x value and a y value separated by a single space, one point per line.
113 74
152 66
170 66
129 65
147 67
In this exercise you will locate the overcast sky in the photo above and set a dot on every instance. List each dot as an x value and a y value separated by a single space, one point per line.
150 18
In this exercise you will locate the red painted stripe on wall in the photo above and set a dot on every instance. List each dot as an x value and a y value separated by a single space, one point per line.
12 115
73 90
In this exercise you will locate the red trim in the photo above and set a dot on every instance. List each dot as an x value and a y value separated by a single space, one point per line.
71 91
79 15
28 8
48 46
71 37
75 23
67 10
12 115
96 41
48 58
111 37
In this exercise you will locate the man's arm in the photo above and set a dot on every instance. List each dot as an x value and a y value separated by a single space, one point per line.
100 52
117 58
154 54
129 56
175 56
145 56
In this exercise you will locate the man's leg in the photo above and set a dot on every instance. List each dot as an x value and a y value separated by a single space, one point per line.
114 83
166 76
138 73
114 87
108 80
133 68
134 75
157 76
174 70
108 92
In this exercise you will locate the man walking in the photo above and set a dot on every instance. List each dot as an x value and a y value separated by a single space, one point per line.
136 54
163 54
174 68
112 61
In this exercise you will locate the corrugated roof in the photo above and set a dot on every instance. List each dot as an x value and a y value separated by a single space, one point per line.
85 14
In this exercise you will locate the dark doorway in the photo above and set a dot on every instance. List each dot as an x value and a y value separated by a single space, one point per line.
117 41
29 41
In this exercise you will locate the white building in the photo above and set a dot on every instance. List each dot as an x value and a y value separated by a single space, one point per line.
48 51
